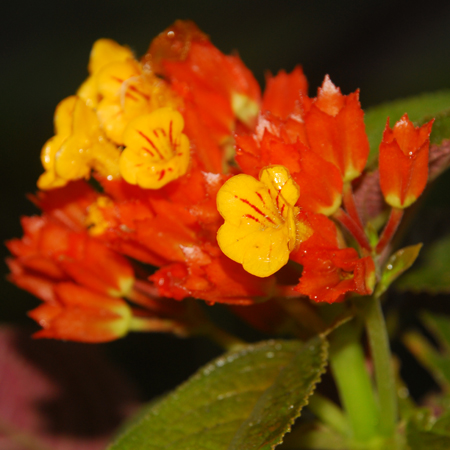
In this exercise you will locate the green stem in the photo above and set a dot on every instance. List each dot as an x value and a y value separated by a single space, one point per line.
329 413
384 371
221 337
353 382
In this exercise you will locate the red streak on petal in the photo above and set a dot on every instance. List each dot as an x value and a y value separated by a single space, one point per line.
170 169
135 89
161 174
155 133
282 209
249 216
243 200
170 132
132 97
150 142
148 150
260 197
276 200
117 79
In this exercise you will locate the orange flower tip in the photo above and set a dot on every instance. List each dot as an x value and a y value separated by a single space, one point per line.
403 162
245 109
156 152
264 125
261 226
329 98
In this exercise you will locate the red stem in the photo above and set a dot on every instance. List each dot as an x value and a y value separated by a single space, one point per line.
390 229
146 288
353 228
350 206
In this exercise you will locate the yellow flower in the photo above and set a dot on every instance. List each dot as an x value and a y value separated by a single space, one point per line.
78 146
157 151
104 52
125 96
62 120
261 226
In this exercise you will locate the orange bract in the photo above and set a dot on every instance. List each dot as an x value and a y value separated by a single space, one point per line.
335 129
404 162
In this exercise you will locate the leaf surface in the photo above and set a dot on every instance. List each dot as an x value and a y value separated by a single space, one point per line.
425 433
398 263
433 275
246 399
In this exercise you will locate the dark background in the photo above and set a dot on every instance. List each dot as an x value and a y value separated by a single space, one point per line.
388 49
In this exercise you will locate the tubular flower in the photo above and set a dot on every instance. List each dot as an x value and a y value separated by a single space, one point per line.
335 130
261 224
52 250
78 314
156 151
404 162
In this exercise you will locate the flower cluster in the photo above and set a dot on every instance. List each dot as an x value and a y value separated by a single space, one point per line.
204 188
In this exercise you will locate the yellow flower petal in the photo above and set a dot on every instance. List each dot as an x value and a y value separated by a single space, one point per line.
105 51
63 116
261 251
86 148
88 91
63 120
111 79
261 226
157 151
114 117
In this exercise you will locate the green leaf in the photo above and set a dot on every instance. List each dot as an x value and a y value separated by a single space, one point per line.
433 275
440 327
424 432
243 400
398 263
438 365
441 127
420 109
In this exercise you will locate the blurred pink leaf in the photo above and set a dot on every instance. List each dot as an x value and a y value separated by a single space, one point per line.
58 395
